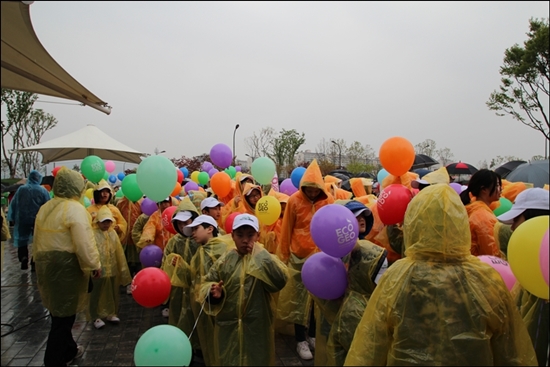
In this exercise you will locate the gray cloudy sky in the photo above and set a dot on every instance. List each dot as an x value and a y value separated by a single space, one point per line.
181 75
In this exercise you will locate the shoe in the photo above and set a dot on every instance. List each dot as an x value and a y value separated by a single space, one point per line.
165 312
79 353
113 319
311 342
303 350
99 323
24 263
129 289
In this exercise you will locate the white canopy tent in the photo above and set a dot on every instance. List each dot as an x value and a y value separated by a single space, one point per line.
82 143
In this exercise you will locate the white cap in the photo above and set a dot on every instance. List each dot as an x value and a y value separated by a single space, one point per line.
246 220
188 230
534 198
415 184
182 216
358 212
210 202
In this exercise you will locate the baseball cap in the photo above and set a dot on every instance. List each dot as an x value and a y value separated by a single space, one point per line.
535 198
188 230
182 216
244 177
104 214
246 220
210 202
439 176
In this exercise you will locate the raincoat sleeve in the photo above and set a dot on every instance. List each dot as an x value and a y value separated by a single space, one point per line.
271 271
120 222
83 239
212 277
287 227
137 230
148 234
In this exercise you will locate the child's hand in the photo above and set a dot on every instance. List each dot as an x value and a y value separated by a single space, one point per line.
216 290
174 261
96 273
236 200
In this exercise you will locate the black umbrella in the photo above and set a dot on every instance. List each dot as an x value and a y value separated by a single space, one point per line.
346 185
343 172
535 172
461 168
364 175
422 172
423 161
505 169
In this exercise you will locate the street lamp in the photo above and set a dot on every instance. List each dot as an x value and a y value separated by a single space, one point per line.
339 153
234 131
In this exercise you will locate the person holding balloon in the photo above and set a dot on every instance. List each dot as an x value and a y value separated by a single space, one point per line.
534 309
295 304
105 295
102 197
239 288
439 304
233 204
153 231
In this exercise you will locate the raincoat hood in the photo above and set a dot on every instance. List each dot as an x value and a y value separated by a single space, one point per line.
512 189
185 206
247 189
101 186
357 187
196 198
103 214
68 184
34 178
355 206
282 198
312 178
438 207
332 179
240 186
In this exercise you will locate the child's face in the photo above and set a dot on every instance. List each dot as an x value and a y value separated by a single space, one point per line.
104 196
164 205
362 223
253 198
312 192
202 235
244 238
105 225
181 225
215 212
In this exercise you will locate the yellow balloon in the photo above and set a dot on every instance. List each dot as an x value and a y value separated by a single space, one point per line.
523 255
195 176
90 194
238 175
268 210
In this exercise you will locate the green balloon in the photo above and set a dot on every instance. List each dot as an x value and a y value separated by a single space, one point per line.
51 194
163 345
505 205
203 178
106 176
263 169
156 177
87 202
130 188
231 171
93 168
119 193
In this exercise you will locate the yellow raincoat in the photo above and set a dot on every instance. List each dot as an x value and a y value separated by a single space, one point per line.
105 296
440 305
201 263
119 219
296 246
244 334
137 230
154 232
482 224
64 247
130 212
175 262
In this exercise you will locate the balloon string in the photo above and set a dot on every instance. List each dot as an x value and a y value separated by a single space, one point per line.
198 317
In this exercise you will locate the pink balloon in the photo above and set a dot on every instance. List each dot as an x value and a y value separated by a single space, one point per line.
502 267
543 258
287 187
110 166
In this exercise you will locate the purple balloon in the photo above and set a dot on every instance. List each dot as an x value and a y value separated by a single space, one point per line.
148 206
287 187
334 230
206 166
325 276
151 256
212 171
457 187
191 186
221 155
238 168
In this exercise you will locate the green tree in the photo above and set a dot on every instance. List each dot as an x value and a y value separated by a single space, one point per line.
284 148
261 143
356 158
524 89
498 160
427 147
444 156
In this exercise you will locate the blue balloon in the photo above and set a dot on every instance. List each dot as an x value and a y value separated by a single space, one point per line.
112 179
382 174
296 176
121 176
185 172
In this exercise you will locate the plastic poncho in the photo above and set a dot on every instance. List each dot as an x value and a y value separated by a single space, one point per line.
175 262
482 224
357 187
24 206
512 189
130 212
119 219
154 232
201 263
336 192
196 198
502 233
64 247
137 230
535 314
296 246
364 264
244 334
232 205
440 305
271 234
105 296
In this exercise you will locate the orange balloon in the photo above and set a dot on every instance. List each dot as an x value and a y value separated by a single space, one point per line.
397 155
177 190
221 184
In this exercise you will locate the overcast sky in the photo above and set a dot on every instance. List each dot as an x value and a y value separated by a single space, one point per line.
181 75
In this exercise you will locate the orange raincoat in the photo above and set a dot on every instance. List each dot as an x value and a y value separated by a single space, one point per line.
272 233
337 193
130 212
511 189
231 205
154 232
482 224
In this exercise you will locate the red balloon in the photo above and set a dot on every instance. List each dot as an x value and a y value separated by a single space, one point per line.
392 204
229 222
151 287
180 175
166 217
55 170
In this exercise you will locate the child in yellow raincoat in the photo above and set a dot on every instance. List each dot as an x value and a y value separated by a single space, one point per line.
239 288
440 305
105 296
102 197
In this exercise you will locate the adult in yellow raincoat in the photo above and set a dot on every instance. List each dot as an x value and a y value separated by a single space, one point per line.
246 278
65 253
440 305
295 304
233 204
153 231
105 296
484 186
102 196
130 212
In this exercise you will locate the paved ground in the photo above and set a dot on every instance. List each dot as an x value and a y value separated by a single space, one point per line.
25 326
